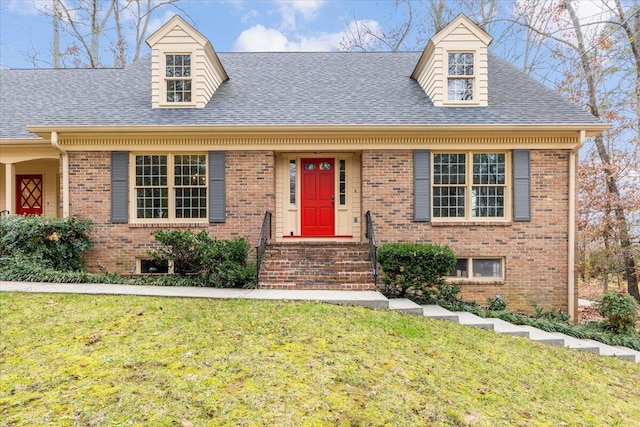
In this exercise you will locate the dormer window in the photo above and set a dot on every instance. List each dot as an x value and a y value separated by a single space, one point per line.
460 77
178 77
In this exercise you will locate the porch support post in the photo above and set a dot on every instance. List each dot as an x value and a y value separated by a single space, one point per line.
10 187
65 175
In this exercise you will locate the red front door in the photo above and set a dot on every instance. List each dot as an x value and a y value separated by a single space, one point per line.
29 194
317 197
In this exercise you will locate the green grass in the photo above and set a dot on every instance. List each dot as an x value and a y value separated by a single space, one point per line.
124 361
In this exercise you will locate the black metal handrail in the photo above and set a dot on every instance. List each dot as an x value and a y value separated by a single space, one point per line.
373 248
261 247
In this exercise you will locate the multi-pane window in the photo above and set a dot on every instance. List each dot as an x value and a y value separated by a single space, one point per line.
171 186
190 179
343 182
178 78
292 182
460 76
469 185
479 268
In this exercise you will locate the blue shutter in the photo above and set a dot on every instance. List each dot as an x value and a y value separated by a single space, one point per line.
119 187
217 193
521 185
422 185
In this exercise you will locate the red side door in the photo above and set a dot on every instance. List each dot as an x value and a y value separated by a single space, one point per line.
29 194
317 181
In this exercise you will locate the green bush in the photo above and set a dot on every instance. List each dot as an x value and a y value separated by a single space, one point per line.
50 242
208 261
416 270
23 269
620 312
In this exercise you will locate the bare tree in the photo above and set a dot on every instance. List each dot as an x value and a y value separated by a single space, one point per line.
580 44
81 28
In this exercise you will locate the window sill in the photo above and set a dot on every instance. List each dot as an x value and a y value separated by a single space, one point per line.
475 282
168 224
471 223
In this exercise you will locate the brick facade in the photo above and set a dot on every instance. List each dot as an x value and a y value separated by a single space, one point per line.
250 191
535 252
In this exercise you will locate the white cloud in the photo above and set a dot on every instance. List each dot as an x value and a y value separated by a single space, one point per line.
155 23
289 9
261 39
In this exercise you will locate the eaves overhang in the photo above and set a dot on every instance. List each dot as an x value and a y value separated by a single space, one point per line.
315 130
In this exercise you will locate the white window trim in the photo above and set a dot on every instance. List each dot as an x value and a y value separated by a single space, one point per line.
133 197
474 79
164 78
471 279
469 184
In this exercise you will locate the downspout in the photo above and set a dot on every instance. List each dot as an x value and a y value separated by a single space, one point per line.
571 301
65 174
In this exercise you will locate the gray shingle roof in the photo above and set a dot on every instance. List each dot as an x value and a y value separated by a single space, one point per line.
275 88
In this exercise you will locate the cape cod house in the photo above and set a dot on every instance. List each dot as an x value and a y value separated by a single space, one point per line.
452 145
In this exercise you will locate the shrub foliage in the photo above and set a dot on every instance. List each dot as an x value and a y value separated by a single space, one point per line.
417 270
214 262
54 243
620 312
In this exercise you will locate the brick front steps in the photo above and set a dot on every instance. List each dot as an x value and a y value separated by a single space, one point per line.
317 265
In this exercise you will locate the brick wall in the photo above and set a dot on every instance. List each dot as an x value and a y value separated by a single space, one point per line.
535 252
250 191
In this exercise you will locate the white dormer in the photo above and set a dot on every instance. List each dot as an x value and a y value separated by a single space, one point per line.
185 70
453 68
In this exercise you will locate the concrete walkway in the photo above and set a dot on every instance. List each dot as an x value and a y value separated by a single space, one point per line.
371 299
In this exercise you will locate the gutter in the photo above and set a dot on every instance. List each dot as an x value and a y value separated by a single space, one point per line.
327 129
571 267
65 174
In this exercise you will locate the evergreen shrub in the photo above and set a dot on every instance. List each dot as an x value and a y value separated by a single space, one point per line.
56 243
417 271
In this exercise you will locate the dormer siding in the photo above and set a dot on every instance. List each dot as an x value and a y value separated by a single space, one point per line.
206 72
432 71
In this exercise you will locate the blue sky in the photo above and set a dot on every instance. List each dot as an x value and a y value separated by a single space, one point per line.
232 25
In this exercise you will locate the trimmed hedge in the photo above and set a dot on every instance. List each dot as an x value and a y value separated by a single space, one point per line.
417 271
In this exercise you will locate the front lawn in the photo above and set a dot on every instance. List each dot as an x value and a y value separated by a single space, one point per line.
123 360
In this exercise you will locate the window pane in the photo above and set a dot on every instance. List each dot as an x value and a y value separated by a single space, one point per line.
448 202
292 182
491 268
461 268
488 202
460 89
449 169
489 168
343 182
460 64
152 202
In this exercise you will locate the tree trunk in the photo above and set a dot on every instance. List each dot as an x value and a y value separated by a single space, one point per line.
605 157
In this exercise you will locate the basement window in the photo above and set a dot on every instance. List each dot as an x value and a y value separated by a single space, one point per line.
152 266
478 268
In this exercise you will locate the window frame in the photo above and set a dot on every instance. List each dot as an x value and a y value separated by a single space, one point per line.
470 278
171 187
164 79
473 77
468 186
